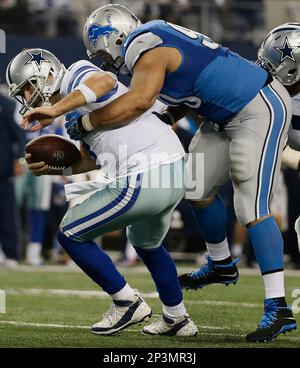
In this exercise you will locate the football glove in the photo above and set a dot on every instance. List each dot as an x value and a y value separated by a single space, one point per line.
74 126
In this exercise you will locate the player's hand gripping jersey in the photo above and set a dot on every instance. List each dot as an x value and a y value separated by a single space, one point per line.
211 79
143 144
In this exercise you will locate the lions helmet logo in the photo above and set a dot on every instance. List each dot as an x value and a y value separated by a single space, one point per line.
96 31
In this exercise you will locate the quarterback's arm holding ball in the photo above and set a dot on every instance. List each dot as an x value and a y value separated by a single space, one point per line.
85 164
98 84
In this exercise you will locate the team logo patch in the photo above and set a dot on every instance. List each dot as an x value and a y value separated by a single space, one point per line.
286 51
58 155
36 58
96 31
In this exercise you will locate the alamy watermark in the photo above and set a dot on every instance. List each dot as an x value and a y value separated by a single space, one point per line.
2 42
161 170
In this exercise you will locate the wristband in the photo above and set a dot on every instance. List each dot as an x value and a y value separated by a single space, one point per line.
67 171
88 94
86 123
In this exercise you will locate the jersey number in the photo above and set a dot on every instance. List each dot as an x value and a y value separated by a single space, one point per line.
206 41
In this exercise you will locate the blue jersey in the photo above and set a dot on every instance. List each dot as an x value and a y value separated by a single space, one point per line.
211 79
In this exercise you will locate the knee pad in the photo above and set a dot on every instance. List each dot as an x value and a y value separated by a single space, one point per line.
137 244
242 160
244 208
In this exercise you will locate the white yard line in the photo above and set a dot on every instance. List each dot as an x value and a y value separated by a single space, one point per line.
60 326
50 325
54 325
139 269
86 294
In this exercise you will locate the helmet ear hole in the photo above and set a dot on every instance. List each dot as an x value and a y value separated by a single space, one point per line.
292 71
119 42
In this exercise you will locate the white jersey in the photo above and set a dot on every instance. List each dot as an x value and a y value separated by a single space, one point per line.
294 131
143 144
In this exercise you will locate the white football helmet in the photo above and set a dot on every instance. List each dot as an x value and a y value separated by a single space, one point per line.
41 69
280 53
105 31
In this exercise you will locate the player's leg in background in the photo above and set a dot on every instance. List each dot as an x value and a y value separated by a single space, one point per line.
22 188
240 234
129 257
38 207
258 135
209 210
8 224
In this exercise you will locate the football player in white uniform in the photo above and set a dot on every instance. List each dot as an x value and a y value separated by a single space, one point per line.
143 164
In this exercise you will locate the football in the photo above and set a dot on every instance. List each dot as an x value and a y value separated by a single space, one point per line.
57 152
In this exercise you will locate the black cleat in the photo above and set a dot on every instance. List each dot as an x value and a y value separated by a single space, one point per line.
276 320
210 273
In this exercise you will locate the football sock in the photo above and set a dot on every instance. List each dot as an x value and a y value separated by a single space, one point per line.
212 223
163 271
274 284
37 225
34 253
219 251
175 311
268 247
94 262
126 293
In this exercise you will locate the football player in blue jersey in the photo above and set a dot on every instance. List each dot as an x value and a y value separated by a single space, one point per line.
252 113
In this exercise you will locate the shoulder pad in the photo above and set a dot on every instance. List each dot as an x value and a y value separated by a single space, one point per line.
135 47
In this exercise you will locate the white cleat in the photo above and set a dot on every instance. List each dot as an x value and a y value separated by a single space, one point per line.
33 254
123 313
179 326
11 263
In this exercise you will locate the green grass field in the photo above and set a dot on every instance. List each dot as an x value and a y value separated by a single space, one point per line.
54 307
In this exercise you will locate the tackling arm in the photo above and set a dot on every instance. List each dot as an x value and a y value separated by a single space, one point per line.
146 83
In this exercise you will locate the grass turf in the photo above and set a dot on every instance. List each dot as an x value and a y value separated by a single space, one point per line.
224 315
